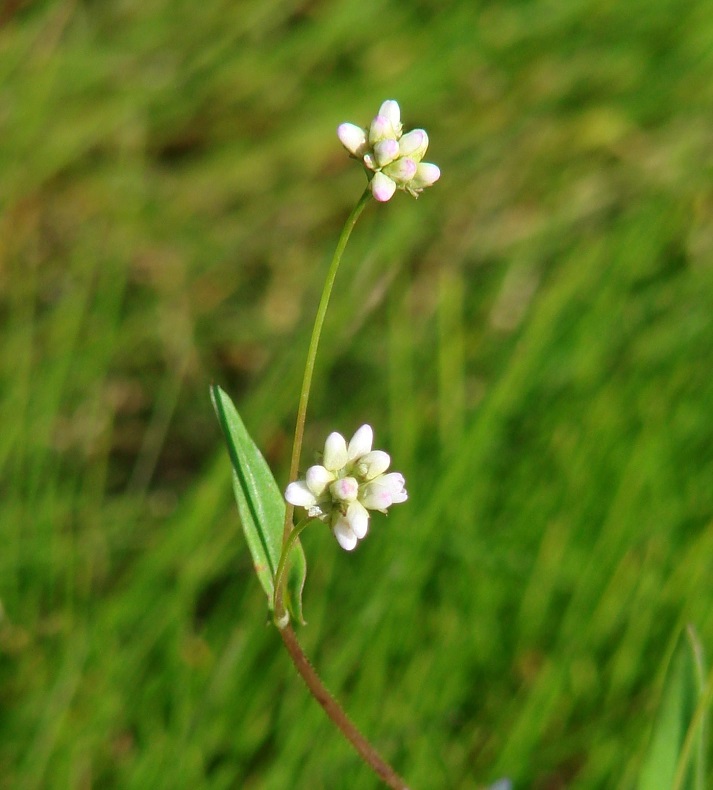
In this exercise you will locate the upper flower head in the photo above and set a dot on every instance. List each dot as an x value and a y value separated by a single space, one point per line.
393 157
347 485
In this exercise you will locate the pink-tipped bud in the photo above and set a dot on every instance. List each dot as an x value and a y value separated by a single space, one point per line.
382 187
381 129
414 145
426 175
353 138
344 490
390 109
385 151
402 170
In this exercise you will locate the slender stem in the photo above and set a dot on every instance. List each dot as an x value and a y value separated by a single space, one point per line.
290 535
309 370
314 344
335 712
286 553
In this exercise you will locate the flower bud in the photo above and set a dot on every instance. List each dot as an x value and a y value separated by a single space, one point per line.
358 518
318 478
335 452
360 443
344 533
426 175
402 170
375 496
385 151
381 129
300 495
353 138
382 187
383 491
372 464
414 144
390 109
344 490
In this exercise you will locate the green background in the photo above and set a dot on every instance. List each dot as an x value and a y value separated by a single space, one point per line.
531 341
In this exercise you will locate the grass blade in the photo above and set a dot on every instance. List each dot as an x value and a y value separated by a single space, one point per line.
675 756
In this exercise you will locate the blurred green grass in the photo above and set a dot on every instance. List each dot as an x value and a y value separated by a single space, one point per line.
531 340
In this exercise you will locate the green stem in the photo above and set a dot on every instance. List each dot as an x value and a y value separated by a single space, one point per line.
309 370
286 549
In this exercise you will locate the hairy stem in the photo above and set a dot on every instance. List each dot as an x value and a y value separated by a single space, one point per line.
335 712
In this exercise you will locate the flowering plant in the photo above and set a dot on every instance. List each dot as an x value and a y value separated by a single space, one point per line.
352 479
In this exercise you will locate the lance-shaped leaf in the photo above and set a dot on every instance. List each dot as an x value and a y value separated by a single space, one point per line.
261 507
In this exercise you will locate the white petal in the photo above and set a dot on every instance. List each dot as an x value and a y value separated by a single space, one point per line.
360 443
414 144
358 518
390 109
373 464
318 478
298 494
382 187
375 496
353 138
426 175
344 490
344 534
384 491
335 452
394 481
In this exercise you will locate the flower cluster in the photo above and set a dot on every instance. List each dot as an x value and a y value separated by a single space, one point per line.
347 485
393 157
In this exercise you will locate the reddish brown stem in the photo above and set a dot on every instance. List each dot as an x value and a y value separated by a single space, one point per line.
335 712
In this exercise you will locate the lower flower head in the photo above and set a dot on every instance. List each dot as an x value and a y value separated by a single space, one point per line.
349 483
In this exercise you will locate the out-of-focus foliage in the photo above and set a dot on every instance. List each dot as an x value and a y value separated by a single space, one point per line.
532 339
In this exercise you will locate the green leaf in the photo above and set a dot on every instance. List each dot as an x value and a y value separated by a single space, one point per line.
676 755
261 507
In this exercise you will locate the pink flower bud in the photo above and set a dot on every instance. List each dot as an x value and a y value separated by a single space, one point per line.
353 138
381 129
344 490
402 170
414 144
382 187
426 175
386 151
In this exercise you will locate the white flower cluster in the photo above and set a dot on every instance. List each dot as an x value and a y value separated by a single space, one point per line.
347 485
395 159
